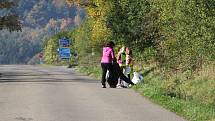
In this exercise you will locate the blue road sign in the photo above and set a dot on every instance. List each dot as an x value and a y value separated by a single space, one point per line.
64 53
64 42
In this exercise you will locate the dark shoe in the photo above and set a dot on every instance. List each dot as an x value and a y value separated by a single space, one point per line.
103 86
112 86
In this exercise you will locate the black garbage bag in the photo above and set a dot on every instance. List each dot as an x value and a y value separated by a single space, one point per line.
115 74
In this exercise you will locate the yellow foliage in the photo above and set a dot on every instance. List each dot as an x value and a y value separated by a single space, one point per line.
73 2
100 32
95 8
97 13
101 9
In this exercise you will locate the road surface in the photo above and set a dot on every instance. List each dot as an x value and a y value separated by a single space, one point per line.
34 93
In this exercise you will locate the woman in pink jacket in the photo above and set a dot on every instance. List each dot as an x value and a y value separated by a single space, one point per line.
108 57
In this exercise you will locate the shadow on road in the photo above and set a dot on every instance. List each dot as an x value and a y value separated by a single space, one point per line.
51 80
26 77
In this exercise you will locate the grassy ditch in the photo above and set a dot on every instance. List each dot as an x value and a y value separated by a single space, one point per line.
192 110
153 88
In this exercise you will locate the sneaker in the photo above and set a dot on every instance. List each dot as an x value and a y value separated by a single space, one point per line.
131 85
119 86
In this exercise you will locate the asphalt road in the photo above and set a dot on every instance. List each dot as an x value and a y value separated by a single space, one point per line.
34 93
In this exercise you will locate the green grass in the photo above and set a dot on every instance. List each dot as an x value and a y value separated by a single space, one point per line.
189 109
93 71
152 89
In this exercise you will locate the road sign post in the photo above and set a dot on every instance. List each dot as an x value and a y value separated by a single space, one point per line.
64 50
64 42
64 53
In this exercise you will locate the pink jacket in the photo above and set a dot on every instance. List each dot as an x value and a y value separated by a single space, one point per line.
108 55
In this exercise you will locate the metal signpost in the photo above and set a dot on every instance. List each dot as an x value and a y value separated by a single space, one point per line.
64 53
64 49
64 42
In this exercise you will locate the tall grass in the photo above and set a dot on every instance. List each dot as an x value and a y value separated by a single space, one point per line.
191 98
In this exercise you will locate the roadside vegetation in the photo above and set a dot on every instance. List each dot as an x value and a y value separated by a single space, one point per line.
173 42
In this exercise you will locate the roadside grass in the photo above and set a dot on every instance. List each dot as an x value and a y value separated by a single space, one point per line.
152 89
91 68
93 71
189 109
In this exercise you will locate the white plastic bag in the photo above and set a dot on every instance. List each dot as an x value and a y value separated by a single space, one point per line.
137 78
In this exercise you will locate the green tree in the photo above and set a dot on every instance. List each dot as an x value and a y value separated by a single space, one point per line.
187 32
133 23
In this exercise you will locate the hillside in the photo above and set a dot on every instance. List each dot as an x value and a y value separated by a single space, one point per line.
40 19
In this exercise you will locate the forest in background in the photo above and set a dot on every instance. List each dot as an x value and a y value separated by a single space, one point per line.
40 19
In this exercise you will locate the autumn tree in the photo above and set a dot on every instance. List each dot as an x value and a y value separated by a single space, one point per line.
11 21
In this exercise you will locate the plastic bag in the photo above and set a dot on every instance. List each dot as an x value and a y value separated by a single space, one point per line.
137 78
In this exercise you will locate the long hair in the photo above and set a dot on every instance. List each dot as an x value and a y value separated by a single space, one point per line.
128 51
110 44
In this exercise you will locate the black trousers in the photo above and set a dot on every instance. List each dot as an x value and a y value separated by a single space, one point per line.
105 67
124 78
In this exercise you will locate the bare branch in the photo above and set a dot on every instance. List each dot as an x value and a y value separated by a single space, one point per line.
10 22
6 5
